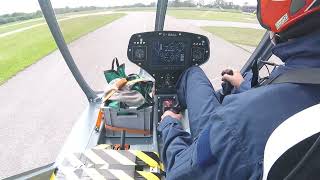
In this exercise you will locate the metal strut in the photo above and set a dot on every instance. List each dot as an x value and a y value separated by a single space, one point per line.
50 17
161 14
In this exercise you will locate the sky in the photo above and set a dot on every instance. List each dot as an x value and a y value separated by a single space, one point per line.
10 6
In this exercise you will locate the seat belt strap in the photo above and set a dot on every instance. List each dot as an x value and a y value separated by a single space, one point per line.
255 74
301 76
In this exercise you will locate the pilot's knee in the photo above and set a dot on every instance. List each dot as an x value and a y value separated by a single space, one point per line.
190 74
194 69
195 73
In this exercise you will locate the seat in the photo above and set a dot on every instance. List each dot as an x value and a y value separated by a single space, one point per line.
288 145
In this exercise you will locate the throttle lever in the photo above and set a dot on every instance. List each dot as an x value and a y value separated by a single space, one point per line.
226 86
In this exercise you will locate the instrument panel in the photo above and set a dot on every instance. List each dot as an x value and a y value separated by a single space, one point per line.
166 54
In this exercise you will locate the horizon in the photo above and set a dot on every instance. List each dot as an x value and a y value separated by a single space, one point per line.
28 6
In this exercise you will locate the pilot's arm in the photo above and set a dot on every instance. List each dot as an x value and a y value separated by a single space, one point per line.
178 147
183 157
215 154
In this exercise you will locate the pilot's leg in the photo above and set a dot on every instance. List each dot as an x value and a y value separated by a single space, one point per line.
196 93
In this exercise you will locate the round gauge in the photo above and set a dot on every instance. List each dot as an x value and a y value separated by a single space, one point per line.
197 54
139 54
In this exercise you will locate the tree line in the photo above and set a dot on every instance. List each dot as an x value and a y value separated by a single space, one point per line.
221 4
18 16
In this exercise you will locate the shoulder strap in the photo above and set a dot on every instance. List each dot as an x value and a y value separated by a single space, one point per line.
255 74
300 76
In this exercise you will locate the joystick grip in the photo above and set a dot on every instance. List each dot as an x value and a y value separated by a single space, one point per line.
226 86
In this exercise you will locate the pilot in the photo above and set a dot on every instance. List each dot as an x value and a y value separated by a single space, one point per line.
228 138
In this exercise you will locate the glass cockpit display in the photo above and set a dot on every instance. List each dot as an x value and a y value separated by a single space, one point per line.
167 52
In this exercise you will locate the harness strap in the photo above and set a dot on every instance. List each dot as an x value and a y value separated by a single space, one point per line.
255 74
301 76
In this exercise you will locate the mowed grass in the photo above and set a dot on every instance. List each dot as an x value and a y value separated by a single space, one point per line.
20 50
22 24
243 36
11 27
213 15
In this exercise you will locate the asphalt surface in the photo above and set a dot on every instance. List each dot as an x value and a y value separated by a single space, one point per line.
40 104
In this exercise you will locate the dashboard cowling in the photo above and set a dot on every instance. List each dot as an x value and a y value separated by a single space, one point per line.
166 54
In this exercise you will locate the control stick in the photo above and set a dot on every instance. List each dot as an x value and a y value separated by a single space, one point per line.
123 140
226 86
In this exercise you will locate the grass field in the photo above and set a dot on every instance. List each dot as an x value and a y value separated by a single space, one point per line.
213 15
20 50
11 27
84 12
22 24
244 36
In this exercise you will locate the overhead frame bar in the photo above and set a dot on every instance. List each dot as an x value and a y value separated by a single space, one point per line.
161 14
51 20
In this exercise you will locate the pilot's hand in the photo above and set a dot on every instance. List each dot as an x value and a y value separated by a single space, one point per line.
171 114
236 79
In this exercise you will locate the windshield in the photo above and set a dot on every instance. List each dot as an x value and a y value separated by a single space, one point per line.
231 26
40 99
98 35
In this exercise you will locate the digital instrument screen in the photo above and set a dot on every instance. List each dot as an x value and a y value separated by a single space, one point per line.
166 52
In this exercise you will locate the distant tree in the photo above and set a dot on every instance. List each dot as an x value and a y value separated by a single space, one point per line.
178 3
153 4
220 2
18 16
139 5
175 3
201 3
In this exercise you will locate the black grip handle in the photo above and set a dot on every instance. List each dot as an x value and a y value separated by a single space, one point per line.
227 86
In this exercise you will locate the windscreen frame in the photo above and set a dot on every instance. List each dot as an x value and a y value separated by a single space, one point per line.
52 22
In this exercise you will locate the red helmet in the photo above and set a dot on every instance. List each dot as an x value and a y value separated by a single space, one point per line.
279 15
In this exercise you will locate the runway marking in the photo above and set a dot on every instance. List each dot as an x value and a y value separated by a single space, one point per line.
119 157
94 158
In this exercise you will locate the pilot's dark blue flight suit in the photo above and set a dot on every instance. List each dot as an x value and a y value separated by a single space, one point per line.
228 138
